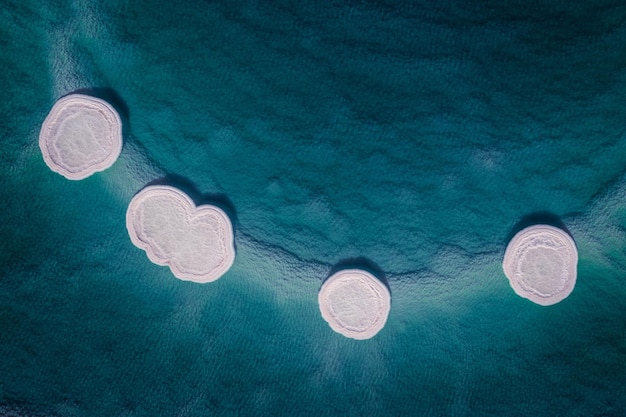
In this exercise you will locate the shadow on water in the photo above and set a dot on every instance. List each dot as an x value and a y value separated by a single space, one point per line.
215 199
113 98
360 263
536 218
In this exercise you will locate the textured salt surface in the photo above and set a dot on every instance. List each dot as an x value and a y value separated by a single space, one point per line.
195 242
80 136
354 303
540 263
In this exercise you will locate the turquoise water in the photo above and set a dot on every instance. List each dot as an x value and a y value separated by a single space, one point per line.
414 135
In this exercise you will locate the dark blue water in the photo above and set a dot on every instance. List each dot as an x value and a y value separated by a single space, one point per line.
413 135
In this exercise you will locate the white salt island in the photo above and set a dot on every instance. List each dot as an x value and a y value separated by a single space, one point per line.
354 303
195 242
541 264
80 136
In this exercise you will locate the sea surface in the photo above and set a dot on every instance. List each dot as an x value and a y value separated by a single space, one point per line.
413 136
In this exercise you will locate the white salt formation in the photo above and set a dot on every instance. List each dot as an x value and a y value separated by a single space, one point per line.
354 303
81 135
195 242
540 263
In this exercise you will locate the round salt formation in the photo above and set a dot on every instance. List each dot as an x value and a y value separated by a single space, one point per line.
540 263
80 136
195 242
354 303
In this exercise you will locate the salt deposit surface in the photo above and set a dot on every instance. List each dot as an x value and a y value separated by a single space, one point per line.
195 242
541 264
354 303
80 136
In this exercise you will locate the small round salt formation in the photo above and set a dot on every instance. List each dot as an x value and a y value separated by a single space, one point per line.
540 263
195 242
80 136
354 303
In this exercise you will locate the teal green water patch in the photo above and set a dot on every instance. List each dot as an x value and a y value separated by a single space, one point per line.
329 132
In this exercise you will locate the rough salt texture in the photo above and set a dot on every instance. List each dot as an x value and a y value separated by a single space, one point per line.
80 136
541 264
354 303
195 242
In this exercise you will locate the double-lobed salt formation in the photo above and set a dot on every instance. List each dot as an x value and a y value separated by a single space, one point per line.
195 242
354 303
541 264
80 136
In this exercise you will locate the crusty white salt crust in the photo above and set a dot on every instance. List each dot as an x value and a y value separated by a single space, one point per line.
80 136
195 242
354 303
541 264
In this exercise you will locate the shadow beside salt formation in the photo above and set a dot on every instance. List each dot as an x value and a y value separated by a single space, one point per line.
363 264
218 200
113 98
537 218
